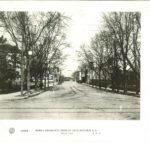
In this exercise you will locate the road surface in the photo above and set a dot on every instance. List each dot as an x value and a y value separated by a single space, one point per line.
73 101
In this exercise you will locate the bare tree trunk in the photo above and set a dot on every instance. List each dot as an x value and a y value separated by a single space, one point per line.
99 76
41 82
48 78
28 75
137 87
112 82
124 77
45 79
22 73
36 85
105 82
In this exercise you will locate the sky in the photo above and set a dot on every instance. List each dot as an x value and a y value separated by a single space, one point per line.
86 18
82 26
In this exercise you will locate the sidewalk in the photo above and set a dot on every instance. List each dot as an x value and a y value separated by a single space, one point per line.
18 96
110 90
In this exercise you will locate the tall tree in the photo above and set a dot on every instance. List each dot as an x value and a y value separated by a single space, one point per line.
28 31
122 25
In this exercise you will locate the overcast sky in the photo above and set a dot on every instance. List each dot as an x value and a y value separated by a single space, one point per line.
82 26
86 18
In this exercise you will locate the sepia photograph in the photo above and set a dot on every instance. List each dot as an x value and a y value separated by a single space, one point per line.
79 65
74 75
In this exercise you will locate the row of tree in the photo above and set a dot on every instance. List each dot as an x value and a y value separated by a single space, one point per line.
114 51
40 38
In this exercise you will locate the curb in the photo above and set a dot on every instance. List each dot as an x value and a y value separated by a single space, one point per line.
25 97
